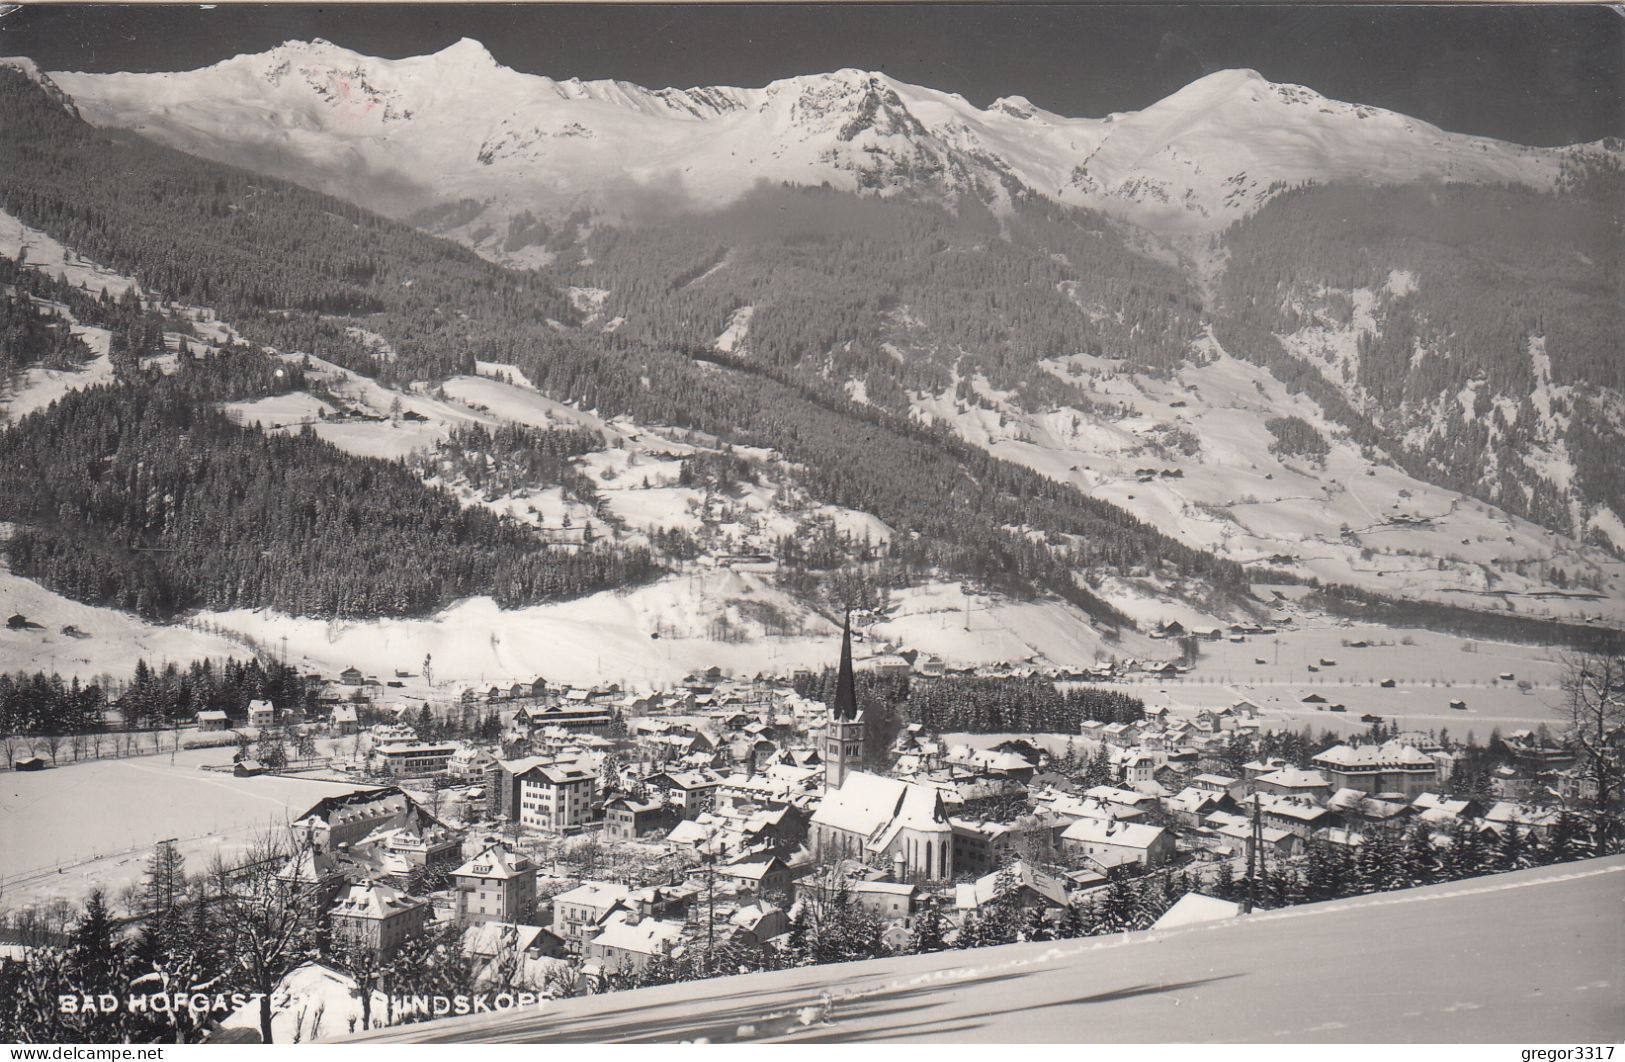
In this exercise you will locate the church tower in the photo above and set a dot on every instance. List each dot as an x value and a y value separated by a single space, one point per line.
843 732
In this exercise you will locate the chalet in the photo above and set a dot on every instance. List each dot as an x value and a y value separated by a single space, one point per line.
1191 806
981 847
1358 809
497 885
577 714
991 763
757 876
756 924
493 945
578 913
1439 810
1219 783
212 720
1297 815
1293 781
351 676
377 918
470 762
1277 842
1019 885
627 818
1123 735
1253 770
1507 814
1109 794
691 792
628 942
345 719
1111 844
260 713
337 822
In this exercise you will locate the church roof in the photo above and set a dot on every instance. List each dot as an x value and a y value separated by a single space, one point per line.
846 696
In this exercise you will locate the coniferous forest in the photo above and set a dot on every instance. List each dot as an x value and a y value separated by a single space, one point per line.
295 269
1503 301
136 497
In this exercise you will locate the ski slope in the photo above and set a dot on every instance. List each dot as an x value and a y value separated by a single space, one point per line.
1534 956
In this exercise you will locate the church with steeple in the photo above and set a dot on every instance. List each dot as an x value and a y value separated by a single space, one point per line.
843 731
898 825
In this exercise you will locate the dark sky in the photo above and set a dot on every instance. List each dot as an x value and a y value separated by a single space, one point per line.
1537 74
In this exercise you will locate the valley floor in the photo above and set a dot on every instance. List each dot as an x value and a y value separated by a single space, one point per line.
1533 956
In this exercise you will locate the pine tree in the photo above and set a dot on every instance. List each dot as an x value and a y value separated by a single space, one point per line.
1421 859
165 878
1074 923
927 934
1510 851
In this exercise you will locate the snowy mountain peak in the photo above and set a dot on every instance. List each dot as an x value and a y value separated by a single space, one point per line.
457 125
1014 106
467 51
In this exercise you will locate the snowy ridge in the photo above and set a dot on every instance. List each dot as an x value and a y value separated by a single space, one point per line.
405 134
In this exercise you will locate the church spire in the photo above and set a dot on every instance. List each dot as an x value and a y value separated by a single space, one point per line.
846 696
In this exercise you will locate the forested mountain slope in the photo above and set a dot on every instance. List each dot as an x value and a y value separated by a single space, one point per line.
1474 332
300 271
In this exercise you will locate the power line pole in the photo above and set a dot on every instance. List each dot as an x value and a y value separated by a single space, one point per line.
1253 854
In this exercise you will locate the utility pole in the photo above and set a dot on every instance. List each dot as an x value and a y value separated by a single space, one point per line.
1254 856
711 912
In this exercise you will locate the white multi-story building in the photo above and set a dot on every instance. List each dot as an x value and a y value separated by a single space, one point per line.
556 797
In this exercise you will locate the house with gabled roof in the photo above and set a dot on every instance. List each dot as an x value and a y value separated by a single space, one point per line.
497 885
378 918
1109 843
1020 885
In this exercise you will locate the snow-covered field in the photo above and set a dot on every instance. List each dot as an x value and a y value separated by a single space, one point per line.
108 642
1526 957
608 636
98 820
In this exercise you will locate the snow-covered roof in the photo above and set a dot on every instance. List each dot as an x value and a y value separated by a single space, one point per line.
1295 778
595 894
374 901
311 1002
1374 757
1122 834
645 936
492 938
495 862
1194 909
984 890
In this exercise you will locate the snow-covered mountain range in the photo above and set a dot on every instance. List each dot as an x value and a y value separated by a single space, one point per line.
408 134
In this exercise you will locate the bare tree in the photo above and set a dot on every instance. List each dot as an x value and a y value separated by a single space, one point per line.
269 908
1594 705
359 959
